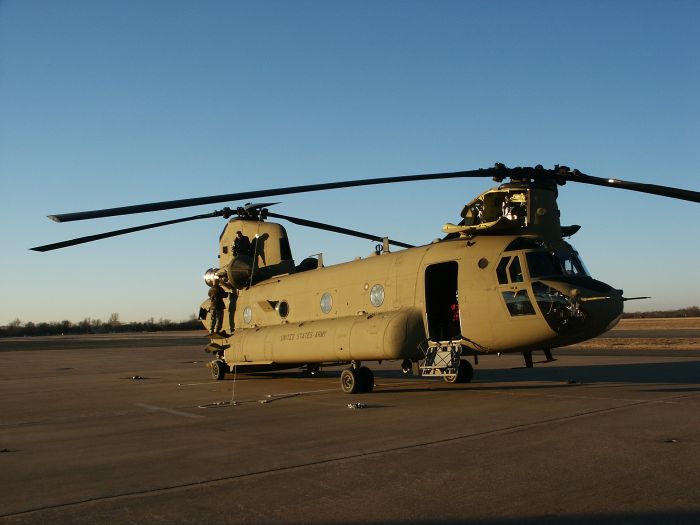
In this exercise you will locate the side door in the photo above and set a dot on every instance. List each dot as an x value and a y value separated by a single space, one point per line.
442 301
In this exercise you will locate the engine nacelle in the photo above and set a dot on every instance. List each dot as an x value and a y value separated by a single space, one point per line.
211 277
238 273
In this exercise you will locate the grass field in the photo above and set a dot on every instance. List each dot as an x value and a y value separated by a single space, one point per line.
682 342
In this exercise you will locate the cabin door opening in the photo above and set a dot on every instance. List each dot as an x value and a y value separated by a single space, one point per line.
441 301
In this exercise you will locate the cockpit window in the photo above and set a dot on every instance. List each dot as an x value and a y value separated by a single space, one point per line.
563 262
518 303
572 264
509 266
501 270
515 271
542 264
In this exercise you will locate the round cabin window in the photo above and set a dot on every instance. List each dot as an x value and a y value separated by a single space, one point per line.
283 309
247 314
326 302
376 295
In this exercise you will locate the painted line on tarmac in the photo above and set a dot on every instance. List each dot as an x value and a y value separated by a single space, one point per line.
154 408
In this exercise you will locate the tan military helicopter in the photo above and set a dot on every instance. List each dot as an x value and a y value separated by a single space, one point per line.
503 279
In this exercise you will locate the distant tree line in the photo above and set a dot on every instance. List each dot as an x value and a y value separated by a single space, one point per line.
113 325
96 326
691 311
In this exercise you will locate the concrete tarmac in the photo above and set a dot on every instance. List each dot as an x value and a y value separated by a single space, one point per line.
607 439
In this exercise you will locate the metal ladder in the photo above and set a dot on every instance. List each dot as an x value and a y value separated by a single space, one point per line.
441 358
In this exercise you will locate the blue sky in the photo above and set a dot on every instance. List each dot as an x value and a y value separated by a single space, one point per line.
113 103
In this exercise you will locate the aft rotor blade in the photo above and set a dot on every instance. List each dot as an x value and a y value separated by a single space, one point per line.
336 229
115 233
229 197
653 189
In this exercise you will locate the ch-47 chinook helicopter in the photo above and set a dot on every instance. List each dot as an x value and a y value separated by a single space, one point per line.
503 279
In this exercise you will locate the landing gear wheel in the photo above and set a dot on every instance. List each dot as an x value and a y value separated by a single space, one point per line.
450 378
366 378
350 381
464 373
218 369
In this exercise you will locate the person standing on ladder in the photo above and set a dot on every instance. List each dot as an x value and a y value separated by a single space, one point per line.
216 308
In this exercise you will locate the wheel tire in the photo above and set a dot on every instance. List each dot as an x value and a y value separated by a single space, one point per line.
218 369
366 378
464 373
450 378
349 381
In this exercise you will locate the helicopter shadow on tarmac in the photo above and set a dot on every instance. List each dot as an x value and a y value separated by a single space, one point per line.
661 373
631 518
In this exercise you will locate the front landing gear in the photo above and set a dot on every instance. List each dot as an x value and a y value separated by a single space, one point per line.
356 380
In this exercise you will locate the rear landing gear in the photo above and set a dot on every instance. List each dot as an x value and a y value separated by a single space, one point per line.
357 380
218 369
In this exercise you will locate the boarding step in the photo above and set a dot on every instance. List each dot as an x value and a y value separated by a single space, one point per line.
441 358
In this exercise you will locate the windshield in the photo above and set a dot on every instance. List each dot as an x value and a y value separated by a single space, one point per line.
543 263
564 262
571 263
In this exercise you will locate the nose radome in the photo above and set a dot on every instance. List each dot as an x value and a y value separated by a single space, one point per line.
573 306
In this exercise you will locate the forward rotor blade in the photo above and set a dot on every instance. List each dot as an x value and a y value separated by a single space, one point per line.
336 229
653 189
499 172
183 203
115 233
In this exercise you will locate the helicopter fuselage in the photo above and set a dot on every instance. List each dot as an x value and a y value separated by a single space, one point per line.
489 294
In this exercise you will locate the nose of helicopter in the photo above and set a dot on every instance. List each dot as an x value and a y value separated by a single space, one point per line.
579 308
